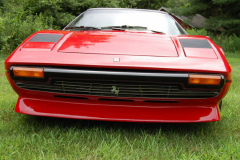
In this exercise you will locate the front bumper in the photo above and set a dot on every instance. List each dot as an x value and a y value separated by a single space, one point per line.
184 111
124 111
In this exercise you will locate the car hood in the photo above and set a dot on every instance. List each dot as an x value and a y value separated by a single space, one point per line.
119 43
120 50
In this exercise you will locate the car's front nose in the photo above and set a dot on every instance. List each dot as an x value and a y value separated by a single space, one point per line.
118 96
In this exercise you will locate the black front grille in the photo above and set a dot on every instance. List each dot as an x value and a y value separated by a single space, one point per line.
118 89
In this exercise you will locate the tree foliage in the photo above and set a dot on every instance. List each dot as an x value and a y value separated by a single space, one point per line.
150 4
20 18
177 4
220 13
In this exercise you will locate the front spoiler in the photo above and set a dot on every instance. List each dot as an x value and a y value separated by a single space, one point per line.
117 112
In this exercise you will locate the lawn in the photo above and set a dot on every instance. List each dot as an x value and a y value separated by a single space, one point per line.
30 137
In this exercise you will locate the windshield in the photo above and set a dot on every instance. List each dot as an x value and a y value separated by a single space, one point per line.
151 20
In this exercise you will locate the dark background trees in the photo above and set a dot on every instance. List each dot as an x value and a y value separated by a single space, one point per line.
223 14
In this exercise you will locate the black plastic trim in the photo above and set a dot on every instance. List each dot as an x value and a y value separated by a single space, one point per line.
195 43
118 100
158 101
70 97
46 38
116 75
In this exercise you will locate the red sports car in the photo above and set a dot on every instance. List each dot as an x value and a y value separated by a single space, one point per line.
120 65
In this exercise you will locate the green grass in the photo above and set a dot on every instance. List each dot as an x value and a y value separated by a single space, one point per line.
30 137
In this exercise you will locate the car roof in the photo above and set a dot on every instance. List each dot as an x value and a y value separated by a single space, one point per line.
132 9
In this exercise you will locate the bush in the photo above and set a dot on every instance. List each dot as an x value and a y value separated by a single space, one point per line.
15 28
228 43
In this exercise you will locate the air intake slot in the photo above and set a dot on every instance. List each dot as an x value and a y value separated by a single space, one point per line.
157 101
195 43
119 100
71 97
118 89
198 48
46 38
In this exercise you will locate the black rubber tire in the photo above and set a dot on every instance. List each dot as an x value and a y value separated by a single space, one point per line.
220 105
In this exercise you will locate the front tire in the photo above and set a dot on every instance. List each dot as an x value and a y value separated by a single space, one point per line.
220 105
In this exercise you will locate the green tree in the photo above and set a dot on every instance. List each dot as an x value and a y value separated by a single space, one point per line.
63 11
220 13
150 4
177 3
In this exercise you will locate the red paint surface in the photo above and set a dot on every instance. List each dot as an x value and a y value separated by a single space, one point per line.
116 112
87 55
132 43
40 45
200 53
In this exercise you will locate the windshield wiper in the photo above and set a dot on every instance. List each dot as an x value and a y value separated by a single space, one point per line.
157 32
83 28
123 27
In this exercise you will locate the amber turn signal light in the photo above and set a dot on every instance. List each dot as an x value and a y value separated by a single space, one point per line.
28 72
204 79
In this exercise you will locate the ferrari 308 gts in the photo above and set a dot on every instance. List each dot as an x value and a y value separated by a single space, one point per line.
129 65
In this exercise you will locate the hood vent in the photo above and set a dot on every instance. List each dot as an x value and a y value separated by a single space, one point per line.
46 38
195 43
198 48
42 42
